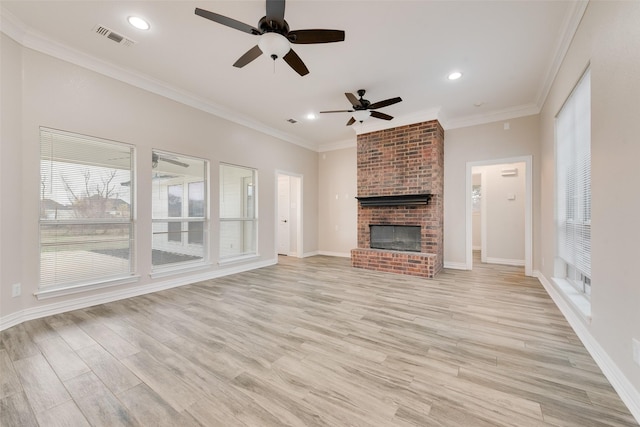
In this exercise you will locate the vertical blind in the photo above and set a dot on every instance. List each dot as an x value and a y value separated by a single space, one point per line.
573 178
86 220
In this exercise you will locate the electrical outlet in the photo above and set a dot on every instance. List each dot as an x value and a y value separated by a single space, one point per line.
636 350
16 290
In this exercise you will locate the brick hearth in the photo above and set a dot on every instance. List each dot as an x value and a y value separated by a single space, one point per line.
407 160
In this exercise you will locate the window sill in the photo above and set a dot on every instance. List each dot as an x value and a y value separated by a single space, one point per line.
237 259
85 287
170 271
577 299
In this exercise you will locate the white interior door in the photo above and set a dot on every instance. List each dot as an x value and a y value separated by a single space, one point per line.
284 220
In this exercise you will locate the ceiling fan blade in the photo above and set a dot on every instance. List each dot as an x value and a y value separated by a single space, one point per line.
275 11
337 111
315 36
379 115
353 100
251 54
173 162
229 22
385 103
296 63
351 121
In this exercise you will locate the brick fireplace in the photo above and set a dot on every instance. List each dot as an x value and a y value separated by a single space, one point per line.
400 183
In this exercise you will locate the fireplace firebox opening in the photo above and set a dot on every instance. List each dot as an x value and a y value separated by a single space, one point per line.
396 237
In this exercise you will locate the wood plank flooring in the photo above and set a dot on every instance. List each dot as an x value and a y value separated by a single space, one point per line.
307 343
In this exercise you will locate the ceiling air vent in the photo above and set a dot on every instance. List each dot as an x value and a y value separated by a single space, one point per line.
112 35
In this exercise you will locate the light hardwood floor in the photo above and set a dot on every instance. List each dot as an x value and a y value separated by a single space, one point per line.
311 342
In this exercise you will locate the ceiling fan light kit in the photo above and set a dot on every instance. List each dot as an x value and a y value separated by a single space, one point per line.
275 36
274 45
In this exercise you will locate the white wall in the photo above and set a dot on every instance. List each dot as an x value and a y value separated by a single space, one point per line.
338 222
476 217
485 142
54 93
503 213
608 38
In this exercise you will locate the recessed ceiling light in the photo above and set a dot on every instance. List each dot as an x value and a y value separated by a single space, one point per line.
455 75
311 116
138 22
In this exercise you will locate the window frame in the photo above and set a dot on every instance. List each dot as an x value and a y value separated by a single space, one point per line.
572 199
252 219
162 269
71 286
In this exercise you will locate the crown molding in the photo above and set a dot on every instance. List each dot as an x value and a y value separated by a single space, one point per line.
18 31
407 119
494 116
332 146
568 30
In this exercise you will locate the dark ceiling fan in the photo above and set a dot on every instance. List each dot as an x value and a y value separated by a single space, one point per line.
362 106
155 158
275 36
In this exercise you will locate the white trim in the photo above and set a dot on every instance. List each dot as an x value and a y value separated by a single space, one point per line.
308 254
17 30
569 28
456 265
178 269
238 259
528 210
409 119
88 301
299 216
336 254
493 116
340 145
625 389
84 287
505 261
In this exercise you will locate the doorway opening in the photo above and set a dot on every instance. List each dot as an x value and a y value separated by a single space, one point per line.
499 212
289 214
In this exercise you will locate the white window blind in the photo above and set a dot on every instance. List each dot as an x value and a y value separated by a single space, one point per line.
238 211
179 204
573 178
86 205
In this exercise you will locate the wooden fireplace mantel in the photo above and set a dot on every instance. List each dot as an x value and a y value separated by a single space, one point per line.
397 200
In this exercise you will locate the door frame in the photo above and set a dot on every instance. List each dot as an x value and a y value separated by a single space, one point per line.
528 210
298 253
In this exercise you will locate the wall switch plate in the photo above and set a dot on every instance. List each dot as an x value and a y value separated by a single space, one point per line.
636 350
16 290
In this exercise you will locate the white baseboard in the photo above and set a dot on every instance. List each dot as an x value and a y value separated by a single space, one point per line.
627 392
338 254
88 301
455 265
505 261
308 254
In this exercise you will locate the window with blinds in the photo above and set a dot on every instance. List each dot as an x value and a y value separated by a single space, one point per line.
573 184
179 203
86 210
238 211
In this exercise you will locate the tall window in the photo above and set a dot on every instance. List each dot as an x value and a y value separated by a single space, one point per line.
238 211
573 186
86 210
179 206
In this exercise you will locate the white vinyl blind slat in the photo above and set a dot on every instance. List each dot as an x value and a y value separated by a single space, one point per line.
573 178
86 205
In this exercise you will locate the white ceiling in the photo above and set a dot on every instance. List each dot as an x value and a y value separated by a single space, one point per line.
508 52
